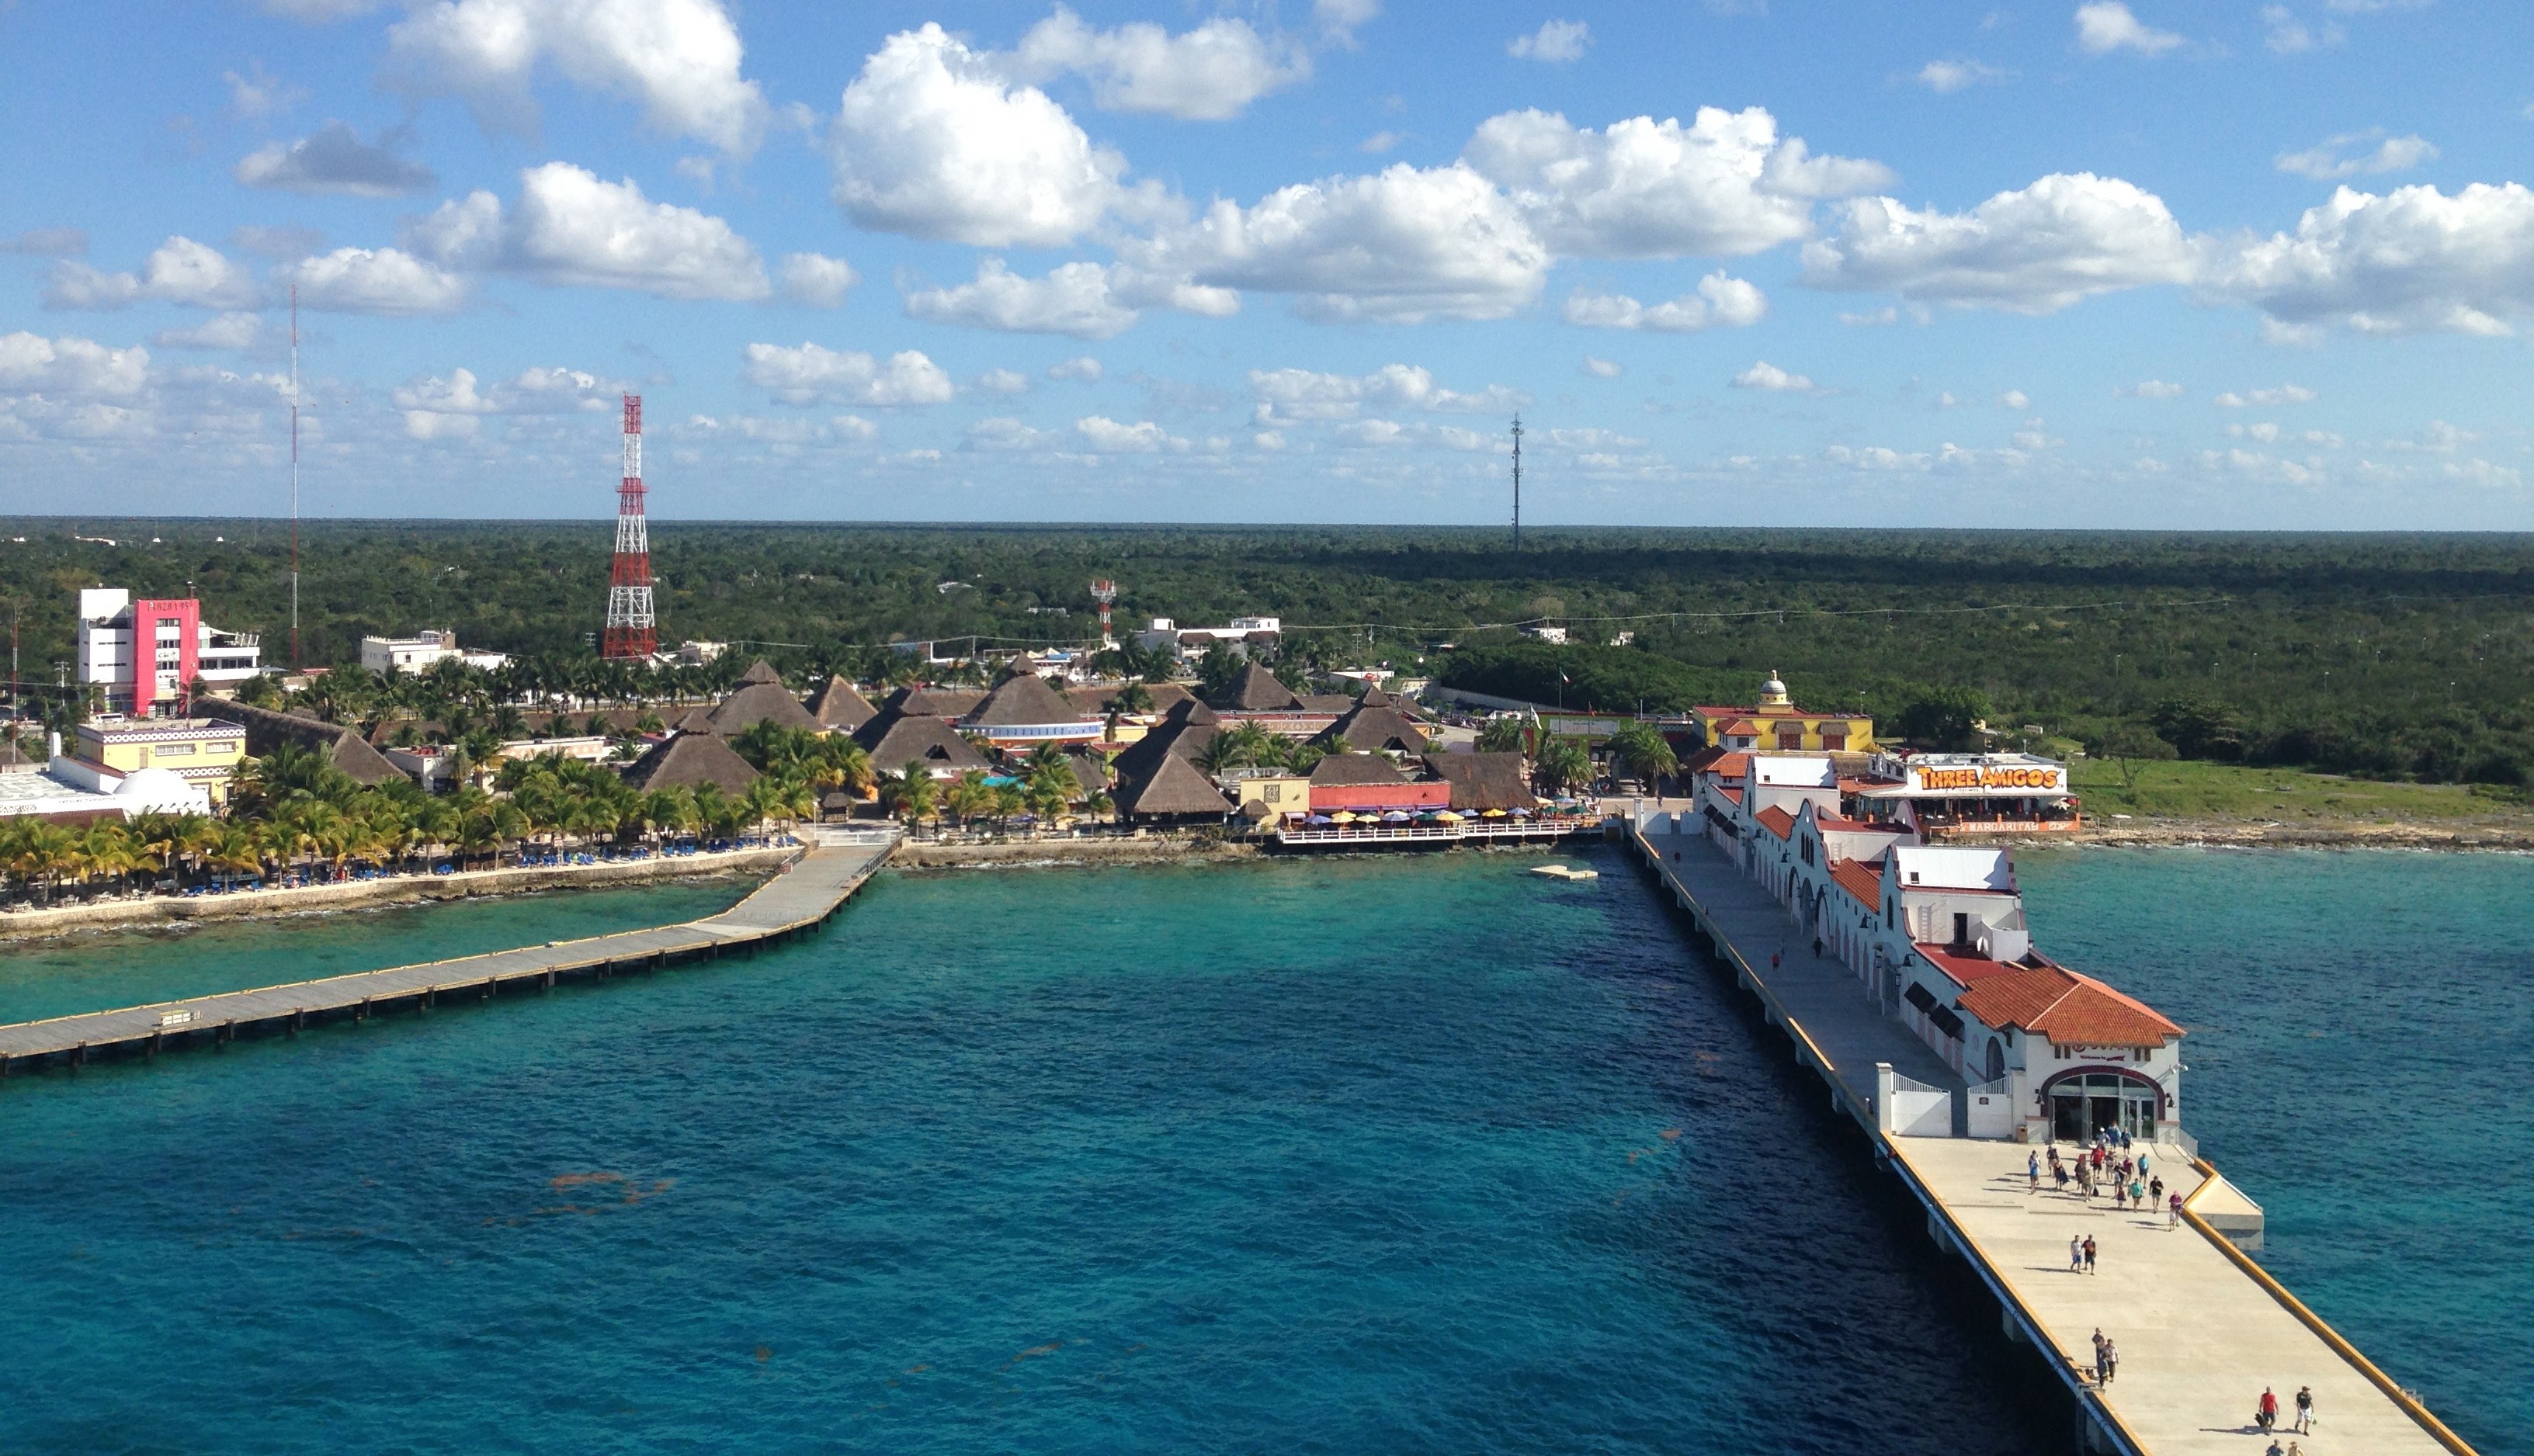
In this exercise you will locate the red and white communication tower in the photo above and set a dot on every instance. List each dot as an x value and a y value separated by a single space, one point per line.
632 630
1105 592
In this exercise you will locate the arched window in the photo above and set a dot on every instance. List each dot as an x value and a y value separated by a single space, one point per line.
1996 1059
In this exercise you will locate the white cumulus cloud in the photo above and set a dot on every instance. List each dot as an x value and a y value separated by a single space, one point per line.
1208 74
2410 261
680 59
220 331
810 373
2288 35
934 141
2283 394
1403 245
1288 394
1601 368
72 368
2334 161
2014 399
1085 369
2032 251
1722 185
1945 76
815 281
1554 40
384 280
2107 25
1004 381
179 270
2150 389
1763 374
1073 299
1108 437
570 227
1718 302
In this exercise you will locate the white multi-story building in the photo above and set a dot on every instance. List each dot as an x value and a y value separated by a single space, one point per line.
1239 635
385 656
173 668
1937 938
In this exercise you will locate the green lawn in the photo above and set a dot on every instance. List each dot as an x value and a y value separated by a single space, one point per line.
2217 790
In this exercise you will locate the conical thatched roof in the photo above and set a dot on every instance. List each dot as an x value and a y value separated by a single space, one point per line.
1173 790
894 739
1373 730
1023 700
1355 767
840 707
1090 767
691 761
757 702
762 671
1183 733
913 702
695 721
1485 780
1375 697
344 747
1255 690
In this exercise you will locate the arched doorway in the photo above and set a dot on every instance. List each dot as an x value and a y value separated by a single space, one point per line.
2087 1101
1996 1059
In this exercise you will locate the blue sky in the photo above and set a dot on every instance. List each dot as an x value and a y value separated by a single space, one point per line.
1772 262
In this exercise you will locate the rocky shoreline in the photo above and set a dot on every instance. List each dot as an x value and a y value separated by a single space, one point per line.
2253 834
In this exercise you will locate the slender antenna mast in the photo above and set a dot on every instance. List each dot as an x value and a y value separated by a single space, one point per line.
295 475
1517 483
631 628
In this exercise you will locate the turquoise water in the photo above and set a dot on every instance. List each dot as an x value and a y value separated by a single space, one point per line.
96 970
1342 1156
2358 1028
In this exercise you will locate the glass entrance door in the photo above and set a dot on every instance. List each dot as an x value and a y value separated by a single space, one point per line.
2083 1106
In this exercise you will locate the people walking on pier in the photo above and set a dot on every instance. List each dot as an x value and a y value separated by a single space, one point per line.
2032 1173
2111 1362
2304 1410
2102 1364
2089 1253
2155 1193
2076 1254
2267 1414
2137 1194
2173 1210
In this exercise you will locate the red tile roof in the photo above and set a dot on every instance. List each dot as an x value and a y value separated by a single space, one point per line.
2069 1009
1732 795
1713 710
1965 969
1835 824
1732 766
1735 728
1777 822
1860 880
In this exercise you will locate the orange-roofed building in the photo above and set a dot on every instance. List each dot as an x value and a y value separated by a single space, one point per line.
2077 1056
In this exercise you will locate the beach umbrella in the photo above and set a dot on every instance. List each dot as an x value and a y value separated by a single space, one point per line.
1522 813
1317 819
1341 817
1491 813
1396 816
1447 817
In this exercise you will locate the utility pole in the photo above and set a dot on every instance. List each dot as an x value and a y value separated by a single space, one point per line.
1517 484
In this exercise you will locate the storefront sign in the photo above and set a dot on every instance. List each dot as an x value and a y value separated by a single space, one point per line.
1989 779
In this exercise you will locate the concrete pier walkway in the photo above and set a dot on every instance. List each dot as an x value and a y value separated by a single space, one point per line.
2200 1328
806 892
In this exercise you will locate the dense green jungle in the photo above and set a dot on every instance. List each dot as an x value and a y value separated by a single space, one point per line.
2392 656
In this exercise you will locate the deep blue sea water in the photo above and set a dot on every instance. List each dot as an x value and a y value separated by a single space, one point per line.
1348 1156
2359 1024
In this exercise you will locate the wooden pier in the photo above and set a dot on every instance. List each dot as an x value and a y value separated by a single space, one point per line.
2201 1329
804 894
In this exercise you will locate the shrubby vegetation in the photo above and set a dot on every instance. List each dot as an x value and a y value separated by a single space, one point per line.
2390 656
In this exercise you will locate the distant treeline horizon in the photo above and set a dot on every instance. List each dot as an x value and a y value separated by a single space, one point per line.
2396 655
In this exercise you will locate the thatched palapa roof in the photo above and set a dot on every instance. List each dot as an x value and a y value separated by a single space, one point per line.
341 745
1173 790
760 671
1022 699
839 707
909 731
757 702
691 761
1344 768
1373 730
1485 780
1255 690
1183 733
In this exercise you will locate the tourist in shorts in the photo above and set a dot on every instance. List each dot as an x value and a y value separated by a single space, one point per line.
2033 1172
2111 1362
2076 1254
2089 1253
2173 1210
2304 1410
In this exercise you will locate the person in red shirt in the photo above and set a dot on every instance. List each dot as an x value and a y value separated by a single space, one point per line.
2269 1413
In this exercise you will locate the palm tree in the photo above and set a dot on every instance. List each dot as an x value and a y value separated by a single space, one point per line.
1502 735
911 793
969 796
1563 764
1644 753
1131 699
